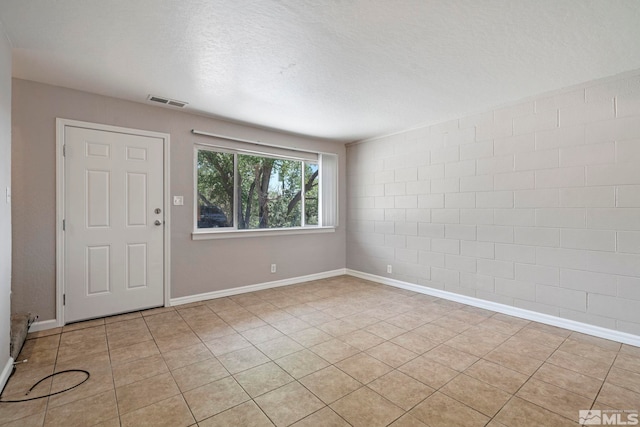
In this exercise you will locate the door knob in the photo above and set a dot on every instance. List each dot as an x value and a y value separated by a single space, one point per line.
157 210
158 222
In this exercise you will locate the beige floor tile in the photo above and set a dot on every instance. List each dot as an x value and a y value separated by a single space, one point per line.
334 350
560 332
15 411
497 375
361 320
366 408
630 349
476 344
310 337
330 384
569 380
85 412
435 333
391 354
540 337
414 342
215 397
407 420
453 324
241 360
45 333
100 381
172 412
210 332
82 335
155 311
625 379
361 340
324 417
291 325
618 397
25 377
501 326
127 338
439 410
520 413
364 367
338 327
628 362
82 325
517 362
302 363
401 389
186 356
600 342
221 304
449 356
227 344
408 320
199 373
245 415
385 330
262 379
476 394
146 392
176 342
521 346
128 354
91 362
428 372
288 404
588 350
261 334
30 421
555 399
279 347
122 317
579 364
316 318
245 323
139 370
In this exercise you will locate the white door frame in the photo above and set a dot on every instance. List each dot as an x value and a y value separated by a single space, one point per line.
60 203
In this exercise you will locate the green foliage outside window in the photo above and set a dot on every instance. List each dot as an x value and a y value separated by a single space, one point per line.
257 192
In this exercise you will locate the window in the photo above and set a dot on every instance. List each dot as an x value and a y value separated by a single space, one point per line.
240 189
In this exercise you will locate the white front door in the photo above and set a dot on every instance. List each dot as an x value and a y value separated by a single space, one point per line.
114 223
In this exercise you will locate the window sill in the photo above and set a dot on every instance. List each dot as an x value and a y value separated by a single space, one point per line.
234 234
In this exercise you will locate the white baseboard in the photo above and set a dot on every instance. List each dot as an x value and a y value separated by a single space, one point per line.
572 325
43 325
256 287
6 373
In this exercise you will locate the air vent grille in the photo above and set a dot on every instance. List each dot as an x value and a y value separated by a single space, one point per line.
167 101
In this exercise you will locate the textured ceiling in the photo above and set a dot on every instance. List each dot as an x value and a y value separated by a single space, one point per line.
344 70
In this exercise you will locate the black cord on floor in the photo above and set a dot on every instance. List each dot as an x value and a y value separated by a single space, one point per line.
51 394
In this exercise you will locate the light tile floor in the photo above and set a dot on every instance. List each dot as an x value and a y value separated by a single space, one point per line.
335 352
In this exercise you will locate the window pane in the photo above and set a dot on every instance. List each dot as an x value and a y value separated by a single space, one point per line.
270 192
311 194
215 189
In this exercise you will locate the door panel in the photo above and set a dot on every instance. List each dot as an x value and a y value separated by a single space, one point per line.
114 252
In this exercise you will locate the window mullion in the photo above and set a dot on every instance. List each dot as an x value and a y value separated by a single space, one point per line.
236 199
303 195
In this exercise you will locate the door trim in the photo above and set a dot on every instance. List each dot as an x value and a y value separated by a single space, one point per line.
61 124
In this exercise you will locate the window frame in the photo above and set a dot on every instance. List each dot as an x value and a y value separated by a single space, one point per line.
234 231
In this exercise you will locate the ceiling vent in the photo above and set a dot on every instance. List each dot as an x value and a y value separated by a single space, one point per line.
167 101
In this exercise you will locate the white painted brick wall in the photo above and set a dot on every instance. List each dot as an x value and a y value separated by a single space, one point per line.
535 205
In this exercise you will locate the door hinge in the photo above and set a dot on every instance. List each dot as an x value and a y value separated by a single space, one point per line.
64 225
64 150
64 299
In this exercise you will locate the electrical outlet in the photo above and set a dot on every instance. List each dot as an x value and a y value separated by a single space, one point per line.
273 268
389 269
178 200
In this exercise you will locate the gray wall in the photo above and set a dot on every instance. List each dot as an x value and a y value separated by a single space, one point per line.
5 209
534 205
197 266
